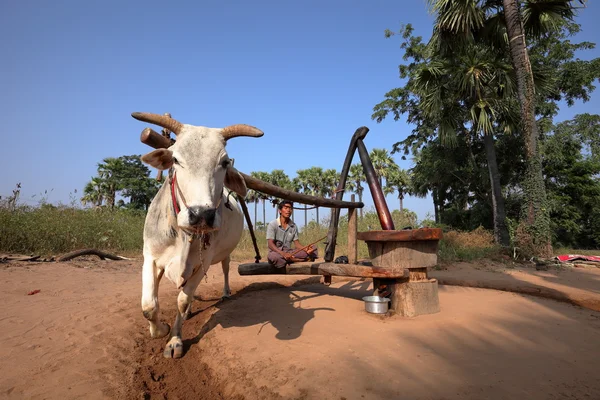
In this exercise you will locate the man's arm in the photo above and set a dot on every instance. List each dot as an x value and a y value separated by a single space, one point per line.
273 246
298 245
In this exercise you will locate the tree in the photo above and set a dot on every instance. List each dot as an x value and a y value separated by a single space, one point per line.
465 92
253 197
126 176
108 172
279 178
382 161
316 186
93 193
490 22
572 175
135 183
461 29
398 180
331 179
301 183
263 176
356 176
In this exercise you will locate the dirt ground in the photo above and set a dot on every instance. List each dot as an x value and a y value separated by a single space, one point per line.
83 336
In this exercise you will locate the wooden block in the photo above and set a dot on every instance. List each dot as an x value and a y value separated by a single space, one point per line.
411 299
417 274
403 254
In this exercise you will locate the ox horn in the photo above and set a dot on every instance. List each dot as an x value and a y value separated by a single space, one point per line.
240 130
160 120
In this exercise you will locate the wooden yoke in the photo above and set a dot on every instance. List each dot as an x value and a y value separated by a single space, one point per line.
157 141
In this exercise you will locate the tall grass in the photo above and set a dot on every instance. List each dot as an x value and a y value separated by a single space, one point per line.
467 246
49 230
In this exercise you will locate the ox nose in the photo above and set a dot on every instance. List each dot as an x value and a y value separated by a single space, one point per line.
202 216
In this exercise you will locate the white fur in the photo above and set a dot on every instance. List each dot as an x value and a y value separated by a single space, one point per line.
201 176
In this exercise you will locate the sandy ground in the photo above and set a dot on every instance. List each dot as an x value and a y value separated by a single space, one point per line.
83 336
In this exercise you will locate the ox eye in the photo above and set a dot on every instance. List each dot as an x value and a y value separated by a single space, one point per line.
175 161
225 163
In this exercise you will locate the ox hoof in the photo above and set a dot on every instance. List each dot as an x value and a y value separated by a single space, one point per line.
226 295
174 349
161 330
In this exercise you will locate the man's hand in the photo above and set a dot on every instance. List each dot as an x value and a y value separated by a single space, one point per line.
287 256
310 250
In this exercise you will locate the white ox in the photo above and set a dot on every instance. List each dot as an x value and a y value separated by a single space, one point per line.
193 221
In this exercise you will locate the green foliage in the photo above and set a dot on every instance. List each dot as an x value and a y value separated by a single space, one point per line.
461 84
50 230
126 176
572 170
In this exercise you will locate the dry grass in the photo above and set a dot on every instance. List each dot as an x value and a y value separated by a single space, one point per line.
50 230
467 246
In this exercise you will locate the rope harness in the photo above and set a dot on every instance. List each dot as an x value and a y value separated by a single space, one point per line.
175 192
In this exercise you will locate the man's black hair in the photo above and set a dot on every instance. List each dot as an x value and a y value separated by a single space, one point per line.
282 202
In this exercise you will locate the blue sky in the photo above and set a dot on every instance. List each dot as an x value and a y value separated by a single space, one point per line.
306 73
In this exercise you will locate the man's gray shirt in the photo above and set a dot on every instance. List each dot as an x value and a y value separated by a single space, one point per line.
282 237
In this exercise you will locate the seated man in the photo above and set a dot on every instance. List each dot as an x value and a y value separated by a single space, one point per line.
281 233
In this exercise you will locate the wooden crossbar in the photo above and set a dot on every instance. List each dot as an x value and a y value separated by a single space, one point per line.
322 268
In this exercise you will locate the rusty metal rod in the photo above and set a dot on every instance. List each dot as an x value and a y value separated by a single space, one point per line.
385 218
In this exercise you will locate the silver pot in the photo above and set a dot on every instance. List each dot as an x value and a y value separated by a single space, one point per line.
376 304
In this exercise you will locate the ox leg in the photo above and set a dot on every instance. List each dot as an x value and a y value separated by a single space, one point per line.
226 288
150 307
174 348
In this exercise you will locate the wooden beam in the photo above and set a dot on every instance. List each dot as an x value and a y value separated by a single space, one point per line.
321 268
409 235
352 230
264 187
157 141
359 134
154 139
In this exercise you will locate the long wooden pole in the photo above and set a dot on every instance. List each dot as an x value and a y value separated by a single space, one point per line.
157 141
307 246
385 218
360 134
352 232
273 190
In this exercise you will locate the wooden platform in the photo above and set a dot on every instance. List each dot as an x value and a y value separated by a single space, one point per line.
322 268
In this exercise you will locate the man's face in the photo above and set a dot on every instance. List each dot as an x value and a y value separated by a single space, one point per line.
286 210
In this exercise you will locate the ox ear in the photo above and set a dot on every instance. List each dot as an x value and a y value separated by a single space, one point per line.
159 159
235 182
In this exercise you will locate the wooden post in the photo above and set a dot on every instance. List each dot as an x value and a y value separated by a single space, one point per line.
412 251
352 231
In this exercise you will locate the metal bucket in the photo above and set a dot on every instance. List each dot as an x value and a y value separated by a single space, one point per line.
376 304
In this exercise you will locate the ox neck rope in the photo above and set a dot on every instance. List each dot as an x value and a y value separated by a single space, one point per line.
205 237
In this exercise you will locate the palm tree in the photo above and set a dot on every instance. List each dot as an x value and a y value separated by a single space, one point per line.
315 184
279 178
301 184
108 171
263 176
331 178
398 180
476 80
253 197
93 192
504 27
382 161
356 176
